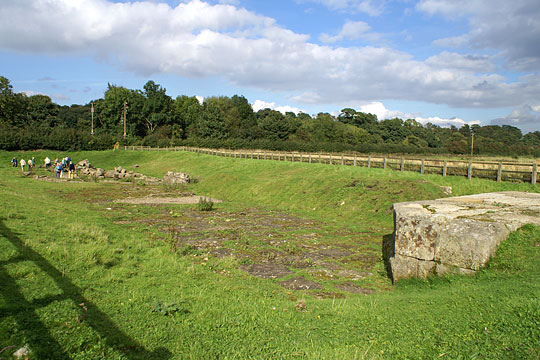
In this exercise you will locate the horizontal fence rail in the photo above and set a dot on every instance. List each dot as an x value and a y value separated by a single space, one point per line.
499 171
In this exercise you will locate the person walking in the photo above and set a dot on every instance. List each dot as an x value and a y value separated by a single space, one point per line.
47 163
58 169
14 162
23 164
71 169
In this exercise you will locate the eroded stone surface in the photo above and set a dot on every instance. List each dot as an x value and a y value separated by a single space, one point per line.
457 234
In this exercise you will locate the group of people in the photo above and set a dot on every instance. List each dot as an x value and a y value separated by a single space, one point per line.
62 167
31 163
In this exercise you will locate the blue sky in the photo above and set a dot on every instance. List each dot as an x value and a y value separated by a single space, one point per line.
448 62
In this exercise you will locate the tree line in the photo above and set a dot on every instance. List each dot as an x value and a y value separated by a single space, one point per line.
150 117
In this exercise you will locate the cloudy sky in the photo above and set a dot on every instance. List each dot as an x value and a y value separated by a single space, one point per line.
443 61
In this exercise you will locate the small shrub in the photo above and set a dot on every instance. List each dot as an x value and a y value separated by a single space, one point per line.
205 204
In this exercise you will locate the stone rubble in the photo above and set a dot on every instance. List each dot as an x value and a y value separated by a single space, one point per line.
84 168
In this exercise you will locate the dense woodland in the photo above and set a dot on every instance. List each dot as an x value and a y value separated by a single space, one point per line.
153 118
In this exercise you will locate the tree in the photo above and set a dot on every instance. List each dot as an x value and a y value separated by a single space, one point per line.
456 143
210 123
274 124
12 105
156 108
184 111
42 111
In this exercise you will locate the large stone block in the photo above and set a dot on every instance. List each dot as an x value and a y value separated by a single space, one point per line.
457 234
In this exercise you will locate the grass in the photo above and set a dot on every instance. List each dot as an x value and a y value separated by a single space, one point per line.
82 277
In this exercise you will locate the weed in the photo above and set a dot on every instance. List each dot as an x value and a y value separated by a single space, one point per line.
205 204
88 234
169 308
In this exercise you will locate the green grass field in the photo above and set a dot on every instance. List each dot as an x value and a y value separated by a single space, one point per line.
85 277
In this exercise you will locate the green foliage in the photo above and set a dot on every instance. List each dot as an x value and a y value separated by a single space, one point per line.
152 118
205 204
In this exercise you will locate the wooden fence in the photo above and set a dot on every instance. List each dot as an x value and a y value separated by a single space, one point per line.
499 171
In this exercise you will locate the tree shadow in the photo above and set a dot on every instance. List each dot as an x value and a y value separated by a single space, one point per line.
25 313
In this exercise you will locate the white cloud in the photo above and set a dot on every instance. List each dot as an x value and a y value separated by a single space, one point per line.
30 92
512 27
370 7
198 39
379 109
525 117
351 30
260 105
435 120
448 60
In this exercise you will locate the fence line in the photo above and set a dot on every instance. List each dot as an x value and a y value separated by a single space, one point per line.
495 170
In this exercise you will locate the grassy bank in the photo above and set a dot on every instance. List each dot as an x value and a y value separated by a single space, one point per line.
84 277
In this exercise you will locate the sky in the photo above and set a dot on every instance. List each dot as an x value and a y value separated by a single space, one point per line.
448 62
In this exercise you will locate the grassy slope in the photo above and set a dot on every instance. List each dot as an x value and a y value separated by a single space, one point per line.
123 277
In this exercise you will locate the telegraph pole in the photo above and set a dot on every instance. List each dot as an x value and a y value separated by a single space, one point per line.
92 123
125 104
472 143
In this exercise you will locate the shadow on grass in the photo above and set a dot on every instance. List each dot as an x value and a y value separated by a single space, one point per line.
388 251
40 340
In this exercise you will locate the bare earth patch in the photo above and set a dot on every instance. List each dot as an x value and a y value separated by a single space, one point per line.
166 200
301 254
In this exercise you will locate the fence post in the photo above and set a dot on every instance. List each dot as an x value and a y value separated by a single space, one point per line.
499 172
534 173
384 163
319 158
354 162
330 159
469 171
422 167
402 166
301 158
342 160
369 161
444 168
310 158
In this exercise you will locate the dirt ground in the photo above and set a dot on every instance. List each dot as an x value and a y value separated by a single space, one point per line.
298 253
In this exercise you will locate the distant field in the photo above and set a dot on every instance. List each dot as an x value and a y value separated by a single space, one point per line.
83 276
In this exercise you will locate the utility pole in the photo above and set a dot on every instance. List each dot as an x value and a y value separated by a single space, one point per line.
125 104
92 112
472 143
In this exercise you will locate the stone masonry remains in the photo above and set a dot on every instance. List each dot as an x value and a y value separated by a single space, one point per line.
456 234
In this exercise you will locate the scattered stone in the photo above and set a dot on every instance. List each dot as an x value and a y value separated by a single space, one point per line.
111 174
267 271
447 190
353 288
300 305
299 283
457 234
84 164
176 178
353 274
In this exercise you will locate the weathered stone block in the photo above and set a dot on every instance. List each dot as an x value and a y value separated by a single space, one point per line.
457 234
176 178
